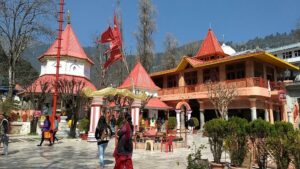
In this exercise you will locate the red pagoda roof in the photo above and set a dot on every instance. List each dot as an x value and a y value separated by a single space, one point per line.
70 46
140 78
210 46
36 86
155 103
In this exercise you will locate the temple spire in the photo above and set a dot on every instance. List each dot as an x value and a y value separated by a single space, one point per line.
68 17
210 48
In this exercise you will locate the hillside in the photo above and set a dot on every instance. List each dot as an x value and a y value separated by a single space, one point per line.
116 75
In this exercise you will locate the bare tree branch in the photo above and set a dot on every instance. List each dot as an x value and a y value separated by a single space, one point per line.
20 23
221 95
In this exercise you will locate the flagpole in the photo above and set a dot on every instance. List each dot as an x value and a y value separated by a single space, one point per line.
126 65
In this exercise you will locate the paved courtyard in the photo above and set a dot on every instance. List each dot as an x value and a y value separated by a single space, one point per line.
74 153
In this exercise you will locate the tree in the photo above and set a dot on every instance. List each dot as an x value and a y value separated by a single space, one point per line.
146 27
221 95
297 31
21 22
38 99
169 57
73 99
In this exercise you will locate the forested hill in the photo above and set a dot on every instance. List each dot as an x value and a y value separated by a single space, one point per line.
270 41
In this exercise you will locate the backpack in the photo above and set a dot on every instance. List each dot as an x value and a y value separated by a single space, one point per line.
105 133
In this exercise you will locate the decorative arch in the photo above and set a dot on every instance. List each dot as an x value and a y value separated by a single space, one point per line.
185 104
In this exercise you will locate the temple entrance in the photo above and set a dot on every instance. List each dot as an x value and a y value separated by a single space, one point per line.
195 106
182 108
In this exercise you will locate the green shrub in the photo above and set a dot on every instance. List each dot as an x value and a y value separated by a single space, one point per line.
294 147
236 140
216 132
258 131
278 144
84 125
172 122
196 122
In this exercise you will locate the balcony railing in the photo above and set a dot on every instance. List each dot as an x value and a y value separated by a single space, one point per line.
238 83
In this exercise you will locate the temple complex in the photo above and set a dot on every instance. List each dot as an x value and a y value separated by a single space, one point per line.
74 63
258 77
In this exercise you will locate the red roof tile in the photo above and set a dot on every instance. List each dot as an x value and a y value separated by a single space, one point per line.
36 86
70 46
194 61
155 103
210 46
140 78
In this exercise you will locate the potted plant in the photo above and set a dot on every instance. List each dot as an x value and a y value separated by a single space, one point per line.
215 130
278 144
171 123
258 131
196 123
84 128
195 160
236 140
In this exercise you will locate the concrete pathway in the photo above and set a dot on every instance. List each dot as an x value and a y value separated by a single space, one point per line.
74 153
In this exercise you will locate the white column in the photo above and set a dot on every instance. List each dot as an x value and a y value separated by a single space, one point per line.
290 117
253 108
189 113
267 115
97 103
202 119
267 111
178 118
135 112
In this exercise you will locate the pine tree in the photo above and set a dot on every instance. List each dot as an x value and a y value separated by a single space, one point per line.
169 57
146 27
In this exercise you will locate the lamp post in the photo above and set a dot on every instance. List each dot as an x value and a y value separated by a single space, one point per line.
59 35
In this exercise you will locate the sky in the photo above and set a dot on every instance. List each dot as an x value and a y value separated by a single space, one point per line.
186 20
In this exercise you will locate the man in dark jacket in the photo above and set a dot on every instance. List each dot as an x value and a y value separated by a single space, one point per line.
3 133
191 125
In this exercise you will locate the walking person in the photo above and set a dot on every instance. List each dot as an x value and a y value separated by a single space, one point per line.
191 125
124 148
55 129
3 133
46 130
102 135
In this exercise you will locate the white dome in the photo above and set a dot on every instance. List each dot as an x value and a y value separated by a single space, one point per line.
228 49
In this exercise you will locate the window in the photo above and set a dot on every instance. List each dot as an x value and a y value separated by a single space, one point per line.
159 82
258 69
211 74
297 53
235 71
190 78
173 81
209 58
287 55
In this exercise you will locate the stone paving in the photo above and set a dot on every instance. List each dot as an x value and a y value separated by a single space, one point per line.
75 153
